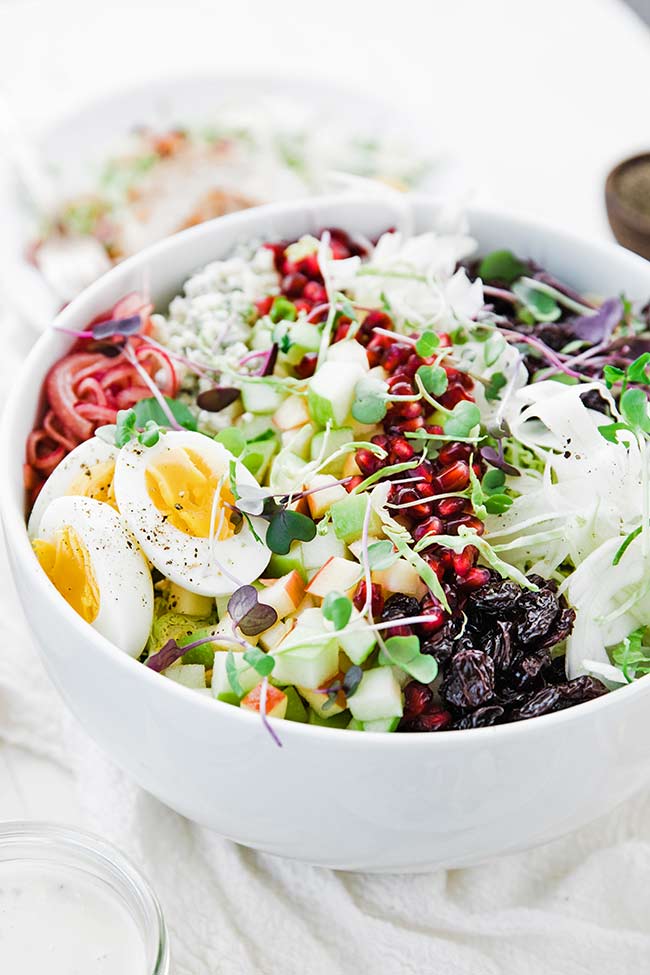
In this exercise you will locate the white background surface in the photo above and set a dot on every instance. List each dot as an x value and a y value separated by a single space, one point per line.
537 99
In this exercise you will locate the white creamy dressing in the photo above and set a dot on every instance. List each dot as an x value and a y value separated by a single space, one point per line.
57 920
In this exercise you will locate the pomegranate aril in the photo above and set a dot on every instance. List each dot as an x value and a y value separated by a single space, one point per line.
431 608
468 521
453 451
418 511
263 306
367 462
476 578
307 365
292 285
417 699
434 721
406 426
464 561
455 477
453 396
354 482
432 526
315 293
449 507
405 411
401 450
309 266
377 599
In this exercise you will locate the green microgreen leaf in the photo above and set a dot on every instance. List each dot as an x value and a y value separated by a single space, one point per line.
259 661
233 677
434 379
501 266
427 344
150 409
637 372
404 652
283 310
609 431
631 656
232 477
540 305
381 555
496 504
150 436
612 375
369 400
337 608
124 427
286 527
493 348
634 408
464 417
495 384
493 481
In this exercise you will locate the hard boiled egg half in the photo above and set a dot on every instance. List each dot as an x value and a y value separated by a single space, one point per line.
88 553
177 500
87 470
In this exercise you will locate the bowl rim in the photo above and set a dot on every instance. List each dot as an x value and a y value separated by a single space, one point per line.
15 524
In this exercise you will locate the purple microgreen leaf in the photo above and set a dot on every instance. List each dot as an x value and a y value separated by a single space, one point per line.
352 680
117 326
286 527
251 616
217 399
269 363
599 326
166 656
242 601
496 459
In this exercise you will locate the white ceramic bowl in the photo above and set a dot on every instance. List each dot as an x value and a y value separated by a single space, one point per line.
342 799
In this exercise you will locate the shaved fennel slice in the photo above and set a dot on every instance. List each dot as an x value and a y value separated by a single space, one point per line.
610 601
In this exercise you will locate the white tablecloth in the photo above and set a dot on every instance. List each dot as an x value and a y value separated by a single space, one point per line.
538 99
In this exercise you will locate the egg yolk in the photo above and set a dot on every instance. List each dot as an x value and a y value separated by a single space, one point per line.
67 564
96 482
182 487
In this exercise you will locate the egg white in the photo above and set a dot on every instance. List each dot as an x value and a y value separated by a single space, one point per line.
185 559
84 457
119 567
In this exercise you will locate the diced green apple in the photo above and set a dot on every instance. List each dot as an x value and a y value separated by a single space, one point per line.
257 456
381 725
331 392
247 676
327 444
377 696
260 397
349 353
341 720
189 675
359 643
275 634
348 516
301 662
281 565
321 548
321 703
298 441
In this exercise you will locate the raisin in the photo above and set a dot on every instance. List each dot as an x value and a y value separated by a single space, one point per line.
469 681
481 718
560 696
497 643
496 597
537 613
398 606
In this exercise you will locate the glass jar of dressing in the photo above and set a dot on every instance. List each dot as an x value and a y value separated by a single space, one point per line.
71 904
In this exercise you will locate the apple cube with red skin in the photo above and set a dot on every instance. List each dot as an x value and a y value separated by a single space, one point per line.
337 574
291 413
328 493
400 577
276 701
285 594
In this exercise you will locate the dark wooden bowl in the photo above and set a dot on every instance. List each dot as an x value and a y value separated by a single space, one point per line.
630 227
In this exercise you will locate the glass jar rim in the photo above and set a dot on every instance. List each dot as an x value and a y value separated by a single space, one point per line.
33 840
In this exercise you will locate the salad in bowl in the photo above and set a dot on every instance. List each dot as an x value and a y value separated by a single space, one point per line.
384 483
